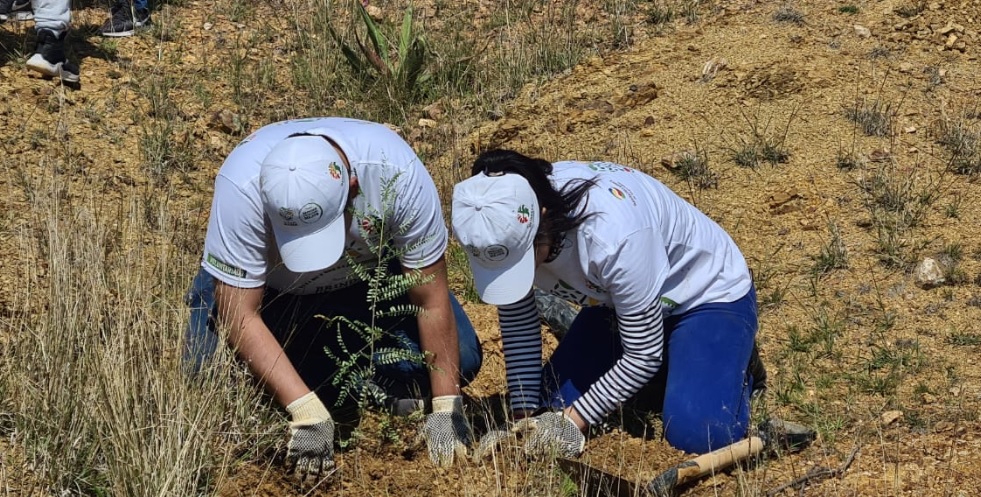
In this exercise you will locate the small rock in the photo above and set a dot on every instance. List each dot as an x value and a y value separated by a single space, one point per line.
929 273
880 155
862 31
427 123
910 129
712 67
433 111
224 120
905 67
374 12
890 417
208 26
929 398
951 40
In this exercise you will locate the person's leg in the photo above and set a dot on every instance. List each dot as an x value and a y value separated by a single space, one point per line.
16 10
52 18
706 400
200 339
409 378
125 18
587 351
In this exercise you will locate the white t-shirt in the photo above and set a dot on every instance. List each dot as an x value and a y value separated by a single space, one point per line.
642 242
394 186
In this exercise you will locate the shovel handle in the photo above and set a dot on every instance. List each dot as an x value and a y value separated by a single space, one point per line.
705 464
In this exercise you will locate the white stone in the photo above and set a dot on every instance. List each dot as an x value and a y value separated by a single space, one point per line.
929 273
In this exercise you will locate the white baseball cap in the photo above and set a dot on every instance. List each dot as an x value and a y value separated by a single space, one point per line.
495 218
304 185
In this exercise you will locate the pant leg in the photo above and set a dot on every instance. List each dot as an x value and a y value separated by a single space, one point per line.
200 339
706 399
587 351
53 15
408 378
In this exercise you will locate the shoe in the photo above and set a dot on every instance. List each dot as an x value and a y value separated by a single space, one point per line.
16 10
124 20
49 57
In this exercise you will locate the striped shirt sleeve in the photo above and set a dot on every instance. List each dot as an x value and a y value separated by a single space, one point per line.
521 335
633 270
642 337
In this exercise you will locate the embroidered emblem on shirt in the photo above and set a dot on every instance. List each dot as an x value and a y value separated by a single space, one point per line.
225 267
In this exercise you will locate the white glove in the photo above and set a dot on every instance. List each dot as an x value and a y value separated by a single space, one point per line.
446 431
311 446
551 434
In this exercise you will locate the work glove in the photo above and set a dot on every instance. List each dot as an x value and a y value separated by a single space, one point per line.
311 446
551 433
446 431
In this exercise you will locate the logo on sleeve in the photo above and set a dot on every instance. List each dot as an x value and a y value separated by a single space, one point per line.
617 193
335 170
225 267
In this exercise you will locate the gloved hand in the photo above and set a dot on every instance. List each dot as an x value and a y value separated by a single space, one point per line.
446 431
311 446
551 433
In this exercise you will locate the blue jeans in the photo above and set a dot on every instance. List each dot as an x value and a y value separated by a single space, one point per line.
304 336
702 390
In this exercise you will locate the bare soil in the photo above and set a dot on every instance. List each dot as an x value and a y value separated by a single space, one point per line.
878 362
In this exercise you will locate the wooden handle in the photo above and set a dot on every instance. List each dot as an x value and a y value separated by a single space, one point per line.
705 464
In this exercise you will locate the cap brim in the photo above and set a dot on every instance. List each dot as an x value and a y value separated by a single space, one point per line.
502 286
314 251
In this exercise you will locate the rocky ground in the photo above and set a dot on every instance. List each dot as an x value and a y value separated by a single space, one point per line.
857 125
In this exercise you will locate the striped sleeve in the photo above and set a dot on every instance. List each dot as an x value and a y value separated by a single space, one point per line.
521 335
642 336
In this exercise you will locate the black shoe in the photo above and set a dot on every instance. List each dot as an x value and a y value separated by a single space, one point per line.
16 10
49 57
125 20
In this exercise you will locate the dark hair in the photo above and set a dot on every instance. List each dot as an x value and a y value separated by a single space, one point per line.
563 208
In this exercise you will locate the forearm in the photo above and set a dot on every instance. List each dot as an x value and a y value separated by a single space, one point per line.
437 329
257 347
438 337
522 343
254 343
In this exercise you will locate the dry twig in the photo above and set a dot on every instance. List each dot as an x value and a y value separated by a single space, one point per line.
816 473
